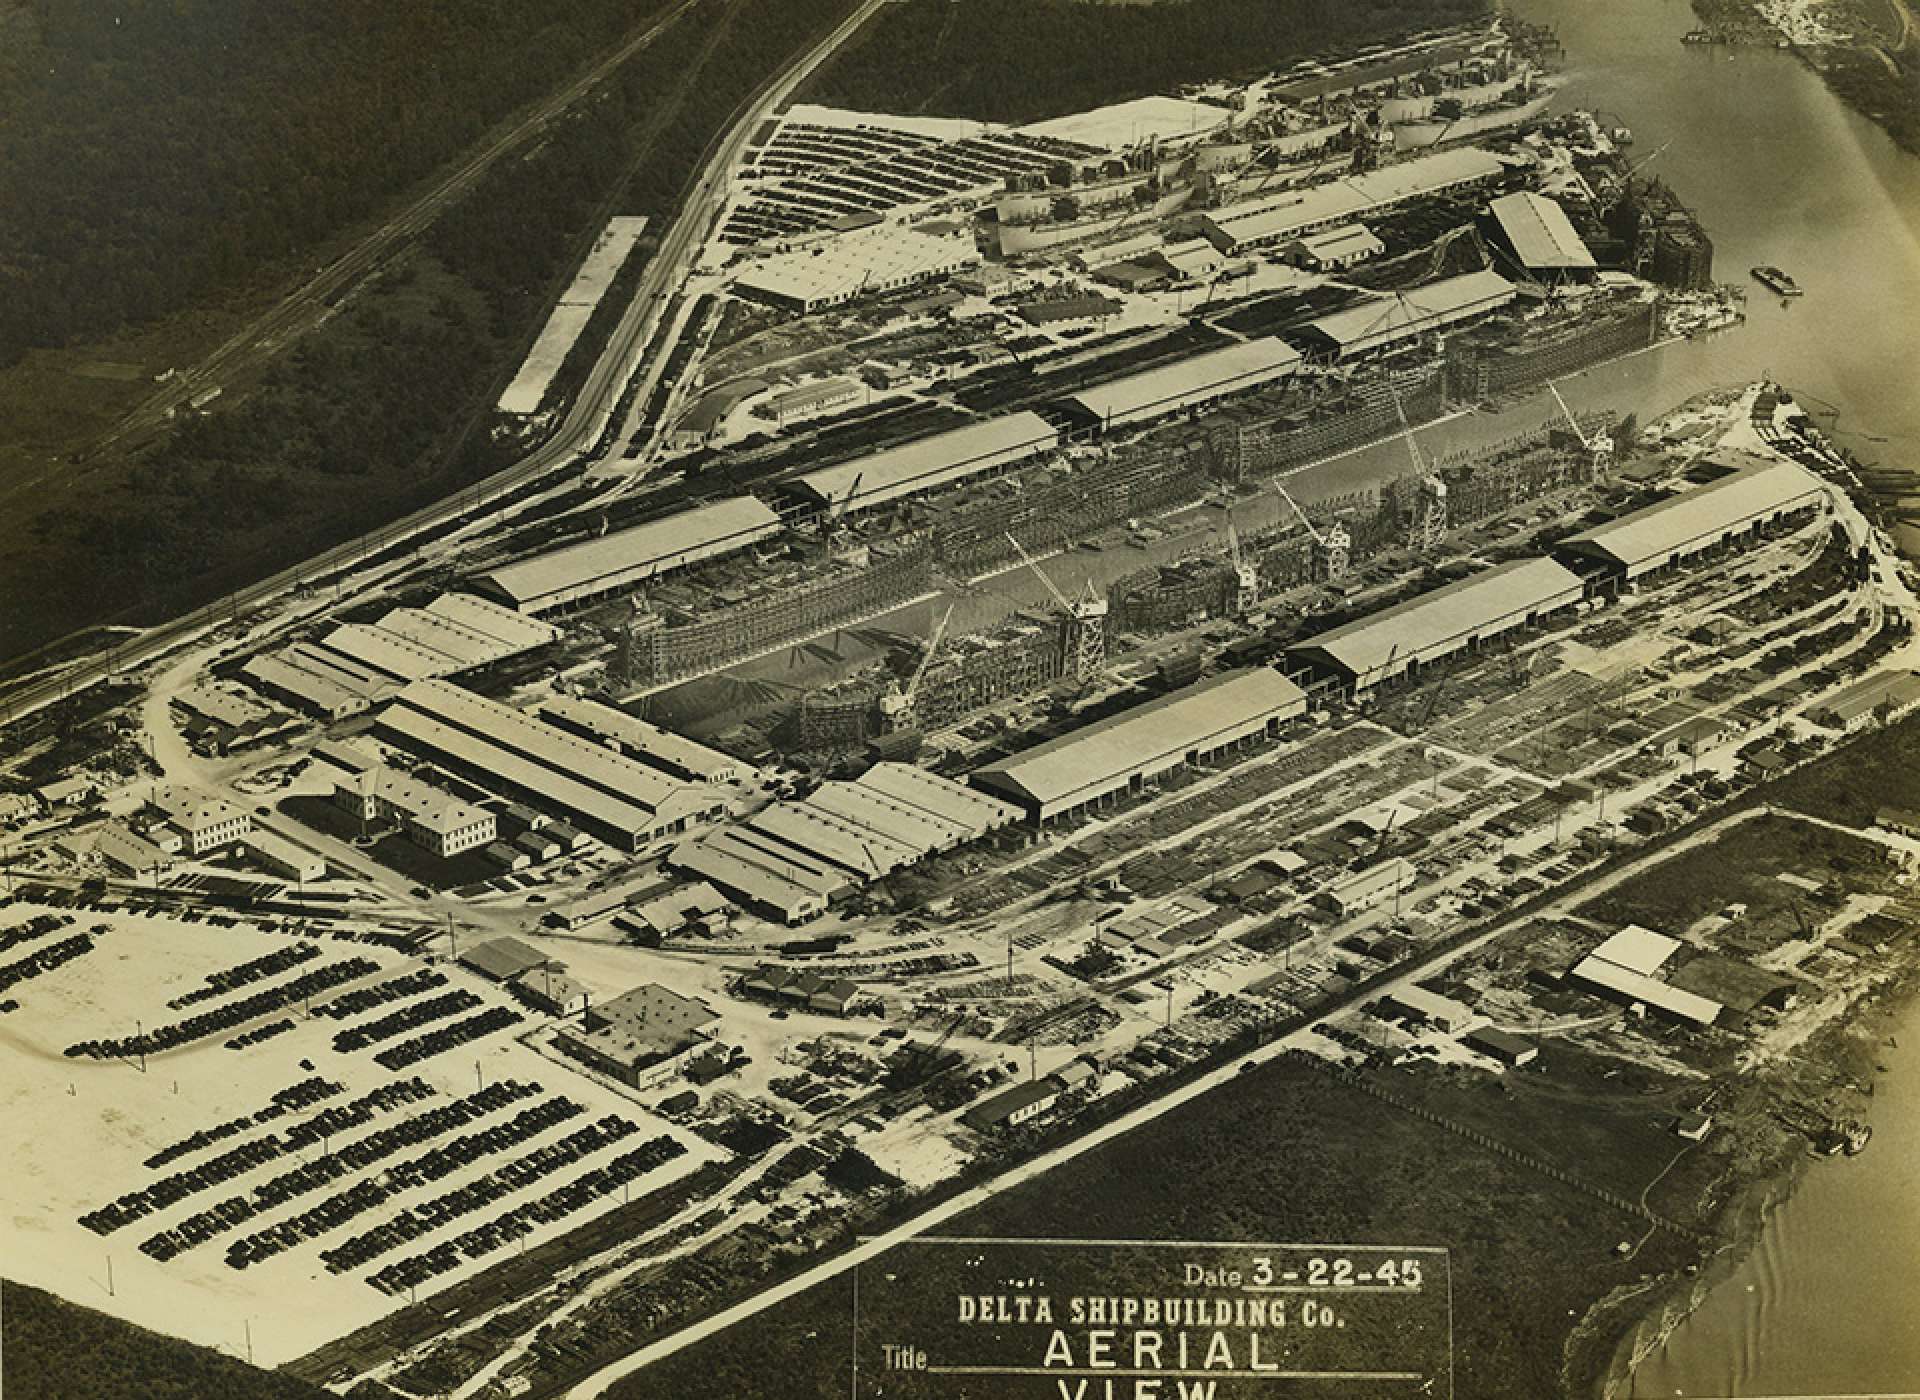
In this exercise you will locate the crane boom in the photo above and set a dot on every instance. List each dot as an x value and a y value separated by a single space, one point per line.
1027 559
1318 538
1406 429
933 648
1572 422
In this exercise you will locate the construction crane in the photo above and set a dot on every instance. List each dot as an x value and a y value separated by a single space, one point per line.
1612 188
1598 447
1086 616
896 706
830 526
1246 578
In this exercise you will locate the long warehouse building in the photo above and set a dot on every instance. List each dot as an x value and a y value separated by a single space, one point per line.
1682 526
918 466
1238 228
619 799
614 563
791 858
1124 752
1186 384
1400 639
1386 322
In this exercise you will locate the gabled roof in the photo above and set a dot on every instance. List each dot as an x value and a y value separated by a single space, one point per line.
503 959
1386 319
1693 519
928 462
1543 237
1148 735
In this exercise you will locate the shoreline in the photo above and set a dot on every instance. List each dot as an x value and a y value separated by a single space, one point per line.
1740 1224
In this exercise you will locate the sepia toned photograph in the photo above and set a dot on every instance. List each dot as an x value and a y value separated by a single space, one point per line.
960 700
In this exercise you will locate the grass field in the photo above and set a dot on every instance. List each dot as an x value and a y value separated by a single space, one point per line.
1290 1153
1743 867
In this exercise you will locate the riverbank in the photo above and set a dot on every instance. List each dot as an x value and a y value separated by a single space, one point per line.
1865 51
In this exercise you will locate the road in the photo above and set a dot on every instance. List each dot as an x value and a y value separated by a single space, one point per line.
578 434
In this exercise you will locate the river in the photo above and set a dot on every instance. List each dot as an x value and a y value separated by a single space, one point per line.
1780 171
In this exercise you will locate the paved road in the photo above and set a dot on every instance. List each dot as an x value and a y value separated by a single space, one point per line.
579 433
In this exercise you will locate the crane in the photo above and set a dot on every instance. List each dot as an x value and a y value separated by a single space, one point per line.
830 526
1598 447
1086 635
1318 538
896 706
1246 578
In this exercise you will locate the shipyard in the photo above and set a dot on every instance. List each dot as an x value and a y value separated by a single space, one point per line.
1058 616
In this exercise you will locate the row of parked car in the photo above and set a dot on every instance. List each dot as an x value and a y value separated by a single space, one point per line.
233 1013
428 1216
554 1206
411 1052
410 1017
232 979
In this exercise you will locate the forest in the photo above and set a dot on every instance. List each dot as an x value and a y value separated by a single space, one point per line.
1022 60
51 1349
157 151
373 414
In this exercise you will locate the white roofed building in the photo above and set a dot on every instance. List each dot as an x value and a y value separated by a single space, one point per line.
1386 323
864 264
1457 617
1697 519
1543 239
1193 382
613 563
1124 752
928 462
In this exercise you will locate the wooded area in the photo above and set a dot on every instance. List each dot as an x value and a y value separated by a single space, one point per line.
53 1350
157 152
1022 60
369 416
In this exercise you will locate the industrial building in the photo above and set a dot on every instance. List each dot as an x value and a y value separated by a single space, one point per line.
810 400
673 754
126 851
1238 228
1012 1106
1123 753
1415 1003
1397 641
432 819
1387 323
1540 235
1186 384
616 562
867 264
928 462
791 858
642 1037
1623 969
807 990
1875 700
1503 1046
1363 889
1340 247
227 719
350 668
619 799
205 823
278 856
1695 520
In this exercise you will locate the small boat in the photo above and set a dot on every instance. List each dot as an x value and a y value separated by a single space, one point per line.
1773 277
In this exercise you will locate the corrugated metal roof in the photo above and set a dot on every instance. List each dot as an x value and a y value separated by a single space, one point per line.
1148 737
1541 234
1638 949
1196 379
1624 982
755 876
1390 318
929 462
1351 196
1381 646
636 735
503 958
1695 519
944 798
628 556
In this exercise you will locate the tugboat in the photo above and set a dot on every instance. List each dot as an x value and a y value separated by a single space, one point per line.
1773 277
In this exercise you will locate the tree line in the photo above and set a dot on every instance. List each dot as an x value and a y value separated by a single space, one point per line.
1023 60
